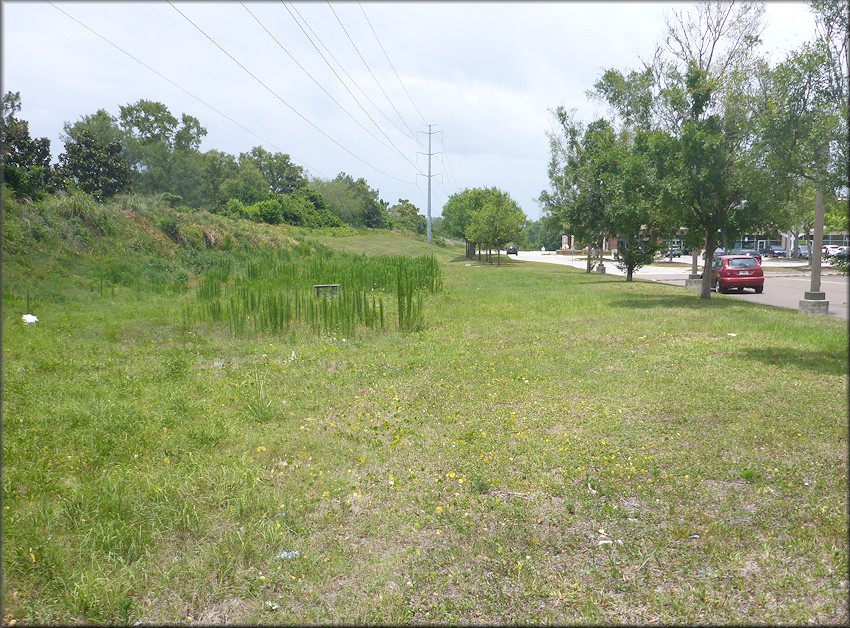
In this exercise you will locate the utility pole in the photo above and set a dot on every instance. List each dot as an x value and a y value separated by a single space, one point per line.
429 175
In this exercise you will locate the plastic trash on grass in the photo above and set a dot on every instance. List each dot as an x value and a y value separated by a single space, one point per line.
287 555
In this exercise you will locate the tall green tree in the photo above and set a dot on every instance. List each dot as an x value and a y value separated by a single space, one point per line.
94 165
544 232
353 201
804 131
283 176
458 212
247 185
637 215
26 160
498 221
154 140
584 178
404 215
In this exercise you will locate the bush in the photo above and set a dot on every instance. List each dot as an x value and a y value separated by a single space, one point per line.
78 204
268 211
170 226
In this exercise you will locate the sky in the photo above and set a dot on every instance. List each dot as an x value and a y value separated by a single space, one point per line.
350 86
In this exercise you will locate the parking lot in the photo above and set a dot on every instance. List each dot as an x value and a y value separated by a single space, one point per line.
785 280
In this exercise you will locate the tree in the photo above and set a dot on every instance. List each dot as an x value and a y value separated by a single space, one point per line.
354 201
587 167
103 126
213 168
321 215
93 165
26 160
804 130
404 215
247 185
458 212
545 232
282 175
154 141
637 214
498 221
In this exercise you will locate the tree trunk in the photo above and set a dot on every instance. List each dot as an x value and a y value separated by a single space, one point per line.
629 272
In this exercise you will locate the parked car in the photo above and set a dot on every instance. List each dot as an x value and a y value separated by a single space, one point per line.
717 252
803 252
776 251
830 249
513 249
750 253
673 251
841 253
736 271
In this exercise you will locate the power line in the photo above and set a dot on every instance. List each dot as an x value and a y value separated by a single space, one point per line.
182 89
376 138
341 67
340 78
390 62
370 71
448 163
276 95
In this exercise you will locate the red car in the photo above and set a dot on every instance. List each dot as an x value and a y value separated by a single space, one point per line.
736 271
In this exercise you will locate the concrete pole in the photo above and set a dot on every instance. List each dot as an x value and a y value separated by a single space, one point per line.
428 214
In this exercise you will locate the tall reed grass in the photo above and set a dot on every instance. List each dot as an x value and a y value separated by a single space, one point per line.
273 292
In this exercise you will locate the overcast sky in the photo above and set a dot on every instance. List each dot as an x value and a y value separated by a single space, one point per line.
485 75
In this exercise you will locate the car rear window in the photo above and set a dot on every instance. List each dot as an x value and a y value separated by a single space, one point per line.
742 263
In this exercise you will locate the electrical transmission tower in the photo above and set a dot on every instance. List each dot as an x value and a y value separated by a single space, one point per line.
429 175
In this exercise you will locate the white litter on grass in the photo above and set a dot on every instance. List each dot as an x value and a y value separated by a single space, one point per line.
292 357
731 335
610 542
272 606
29 319
286 555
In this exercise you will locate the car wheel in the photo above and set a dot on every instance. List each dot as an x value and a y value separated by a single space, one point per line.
759 289
720 288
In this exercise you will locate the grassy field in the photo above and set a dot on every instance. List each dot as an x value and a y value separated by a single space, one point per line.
552 447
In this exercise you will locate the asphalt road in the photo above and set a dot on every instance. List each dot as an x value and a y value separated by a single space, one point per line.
784 282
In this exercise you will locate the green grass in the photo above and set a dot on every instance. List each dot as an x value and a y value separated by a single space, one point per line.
469 472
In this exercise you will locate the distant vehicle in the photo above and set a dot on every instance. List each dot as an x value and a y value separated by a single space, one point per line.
841 253
830 249
736 271
513 249
803 252
750 253
776 251
673 251
717 252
